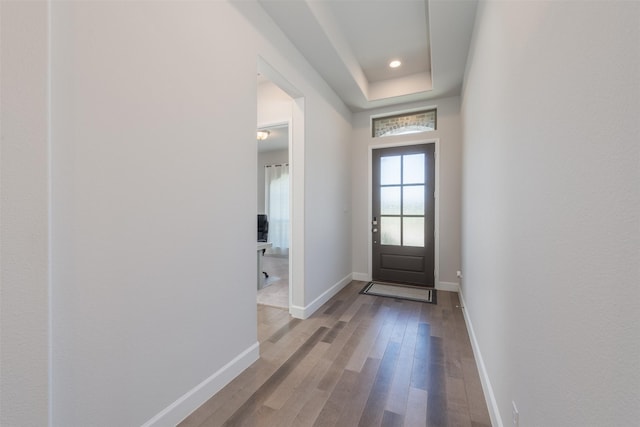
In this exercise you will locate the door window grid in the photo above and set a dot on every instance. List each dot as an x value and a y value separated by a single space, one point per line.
400 176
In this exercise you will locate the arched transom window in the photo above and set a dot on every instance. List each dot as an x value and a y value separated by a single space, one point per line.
401 124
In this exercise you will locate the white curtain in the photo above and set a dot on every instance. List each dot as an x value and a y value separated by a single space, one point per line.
276 197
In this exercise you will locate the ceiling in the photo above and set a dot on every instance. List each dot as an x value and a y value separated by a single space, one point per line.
278 139
351 42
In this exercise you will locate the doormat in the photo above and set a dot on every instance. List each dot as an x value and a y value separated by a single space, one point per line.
408 292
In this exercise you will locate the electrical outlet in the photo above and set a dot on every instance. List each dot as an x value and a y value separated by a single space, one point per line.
515 415
459 274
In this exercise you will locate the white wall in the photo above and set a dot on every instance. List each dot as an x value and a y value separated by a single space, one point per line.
449 133
275 157
327 203
152 107
24 213
151 243
551 224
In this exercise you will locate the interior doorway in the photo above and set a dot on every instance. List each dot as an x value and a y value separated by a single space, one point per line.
291 110
274 201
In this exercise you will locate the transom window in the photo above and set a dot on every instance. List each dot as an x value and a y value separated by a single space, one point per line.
401 124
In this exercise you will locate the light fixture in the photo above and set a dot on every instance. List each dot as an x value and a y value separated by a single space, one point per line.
262 135
395 63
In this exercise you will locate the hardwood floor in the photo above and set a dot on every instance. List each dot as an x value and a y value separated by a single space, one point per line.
361 360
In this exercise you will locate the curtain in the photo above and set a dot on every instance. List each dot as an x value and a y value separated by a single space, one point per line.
276 197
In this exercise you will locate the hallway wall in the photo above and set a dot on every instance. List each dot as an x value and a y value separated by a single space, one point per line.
551 209
24 214
146 116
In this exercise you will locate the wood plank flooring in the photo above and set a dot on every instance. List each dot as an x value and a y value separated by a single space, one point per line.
360 360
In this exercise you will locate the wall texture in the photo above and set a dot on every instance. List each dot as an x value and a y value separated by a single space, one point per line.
449 133
551 223
152 203
153 226
327 201
24 214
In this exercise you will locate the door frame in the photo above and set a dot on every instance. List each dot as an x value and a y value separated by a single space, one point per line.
436 219
296 186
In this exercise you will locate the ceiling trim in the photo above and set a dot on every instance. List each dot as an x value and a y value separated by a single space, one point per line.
313 29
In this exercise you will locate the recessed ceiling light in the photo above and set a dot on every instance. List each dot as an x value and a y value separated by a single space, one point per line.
395 63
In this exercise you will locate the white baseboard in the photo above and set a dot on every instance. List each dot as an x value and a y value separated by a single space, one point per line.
194 398
492 405
448 286
309 309
361 276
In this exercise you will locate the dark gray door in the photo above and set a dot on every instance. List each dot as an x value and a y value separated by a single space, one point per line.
403 214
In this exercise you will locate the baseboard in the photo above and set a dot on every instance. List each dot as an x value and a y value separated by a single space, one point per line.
448 286
306 311
364 277
490 398
194 398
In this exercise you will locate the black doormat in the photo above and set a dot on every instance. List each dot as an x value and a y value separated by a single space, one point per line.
408 292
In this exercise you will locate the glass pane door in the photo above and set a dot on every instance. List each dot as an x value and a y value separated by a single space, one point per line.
403 214
402 200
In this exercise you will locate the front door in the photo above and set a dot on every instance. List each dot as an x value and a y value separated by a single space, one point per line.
403 214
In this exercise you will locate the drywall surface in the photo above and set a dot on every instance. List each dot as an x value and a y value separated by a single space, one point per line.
153 226
551 223
154 199
449 180
276 157
24 215
327 200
